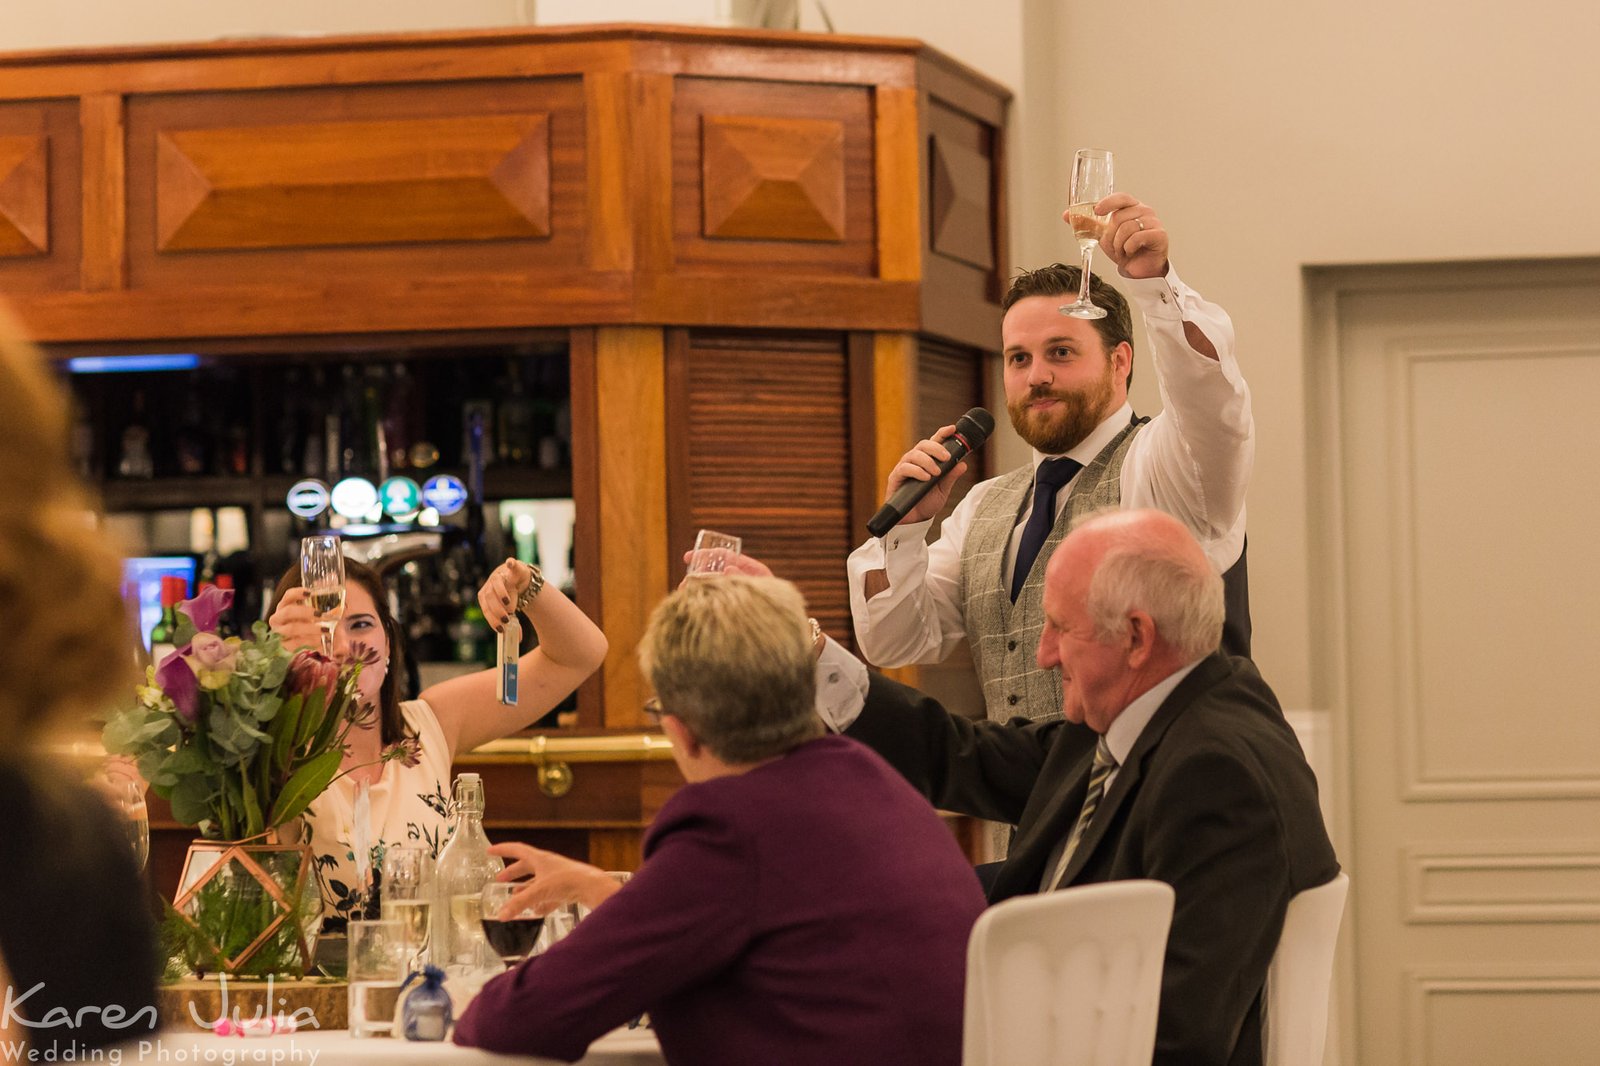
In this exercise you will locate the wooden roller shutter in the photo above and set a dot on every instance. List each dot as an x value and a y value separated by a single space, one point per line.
950 381
759 446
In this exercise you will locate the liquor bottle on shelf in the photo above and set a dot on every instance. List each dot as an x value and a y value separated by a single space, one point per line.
237 451
332 434
133 460
227 626
82 440
291 423
373 451
352 457
401 421
165 631
514 432
190 447
555 445
315 456
477 433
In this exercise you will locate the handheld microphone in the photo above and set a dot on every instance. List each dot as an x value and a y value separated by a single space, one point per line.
971 431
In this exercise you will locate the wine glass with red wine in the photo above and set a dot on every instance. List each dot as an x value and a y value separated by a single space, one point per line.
513 937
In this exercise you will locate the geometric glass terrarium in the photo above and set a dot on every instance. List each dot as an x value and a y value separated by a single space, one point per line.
248 910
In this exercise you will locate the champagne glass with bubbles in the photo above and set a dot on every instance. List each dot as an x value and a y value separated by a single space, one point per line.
407 896
1091 183
322 575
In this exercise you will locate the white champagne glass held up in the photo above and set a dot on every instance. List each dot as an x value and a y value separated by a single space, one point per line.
1091 183
322 575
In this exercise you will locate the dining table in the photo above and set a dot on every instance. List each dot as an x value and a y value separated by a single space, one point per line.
336 1047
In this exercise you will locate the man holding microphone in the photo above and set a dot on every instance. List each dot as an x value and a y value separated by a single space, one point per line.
1066 387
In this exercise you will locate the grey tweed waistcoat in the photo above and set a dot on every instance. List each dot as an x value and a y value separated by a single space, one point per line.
1004 636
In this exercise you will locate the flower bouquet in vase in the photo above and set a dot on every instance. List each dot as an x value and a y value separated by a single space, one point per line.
239 736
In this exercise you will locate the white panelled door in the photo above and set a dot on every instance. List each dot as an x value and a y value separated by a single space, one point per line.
1465 559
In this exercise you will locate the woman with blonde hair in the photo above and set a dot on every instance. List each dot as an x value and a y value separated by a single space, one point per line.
77 945
798 902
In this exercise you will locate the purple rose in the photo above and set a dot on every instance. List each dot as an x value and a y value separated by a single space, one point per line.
177 680
206 609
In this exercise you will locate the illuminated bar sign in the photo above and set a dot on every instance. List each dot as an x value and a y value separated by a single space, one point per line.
308 498
445 494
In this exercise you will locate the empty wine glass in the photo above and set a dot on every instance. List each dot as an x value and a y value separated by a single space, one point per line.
711 552
1091 183
322 576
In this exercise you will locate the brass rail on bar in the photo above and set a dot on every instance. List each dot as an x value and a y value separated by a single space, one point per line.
552 757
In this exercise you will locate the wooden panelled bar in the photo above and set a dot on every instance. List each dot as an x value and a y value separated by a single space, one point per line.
777 258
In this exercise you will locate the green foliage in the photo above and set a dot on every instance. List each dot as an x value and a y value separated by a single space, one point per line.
257 752
230 911
306 785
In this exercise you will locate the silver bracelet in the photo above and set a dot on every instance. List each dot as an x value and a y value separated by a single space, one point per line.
535 583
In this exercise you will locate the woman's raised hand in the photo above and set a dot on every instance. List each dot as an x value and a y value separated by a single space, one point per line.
294 622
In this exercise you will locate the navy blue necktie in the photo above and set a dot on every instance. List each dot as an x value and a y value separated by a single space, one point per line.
1052 474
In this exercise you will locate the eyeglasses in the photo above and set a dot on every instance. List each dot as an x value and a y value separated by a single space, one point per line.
653 710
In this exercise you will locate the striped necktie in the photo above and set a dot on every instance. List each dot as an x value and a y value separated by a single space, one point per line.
1104 763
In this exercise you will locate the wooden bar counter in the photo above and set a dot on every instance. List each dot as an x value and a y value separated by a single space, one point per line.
775 259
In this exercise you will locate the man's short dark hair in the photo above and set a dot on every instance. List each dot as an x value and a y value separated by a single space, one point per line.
1061 280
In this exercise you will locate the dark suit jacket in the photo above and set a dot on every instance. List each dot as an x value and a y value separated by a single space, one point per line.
1215 799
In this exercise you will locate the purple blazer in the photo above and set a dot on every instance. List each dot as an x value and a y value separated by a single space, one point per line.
812 910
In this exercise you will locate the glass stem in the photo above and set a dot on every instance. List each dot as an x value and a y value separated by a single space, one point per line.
1083 279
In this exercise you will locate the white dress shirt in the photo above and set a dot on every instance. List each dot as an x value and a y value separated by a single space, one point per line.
1192 460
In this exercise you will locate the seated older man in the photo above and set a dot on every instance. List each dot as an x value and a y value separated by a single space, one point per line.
798 903
1196 779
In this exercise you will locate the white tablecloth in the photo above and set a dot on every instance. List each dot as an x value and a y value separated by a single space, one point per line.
624 1047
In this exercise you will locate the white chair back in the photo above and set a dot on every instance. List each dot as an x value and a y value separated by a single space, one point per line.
1068 978
1294 1026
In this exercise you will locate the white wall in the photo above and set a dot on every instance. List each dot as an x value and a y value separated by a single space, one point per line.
1269 136
1273 135
30 24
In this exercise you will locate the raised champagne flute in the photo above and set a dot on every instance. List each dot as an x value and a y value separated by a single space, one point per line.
1091 183
322 575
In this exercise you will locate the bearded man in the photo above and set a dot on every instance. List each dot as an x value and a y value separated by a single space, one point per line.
1066 385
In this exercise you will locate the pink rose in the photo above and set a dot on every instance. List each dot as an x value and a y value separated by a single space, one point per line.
211 652
213 659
